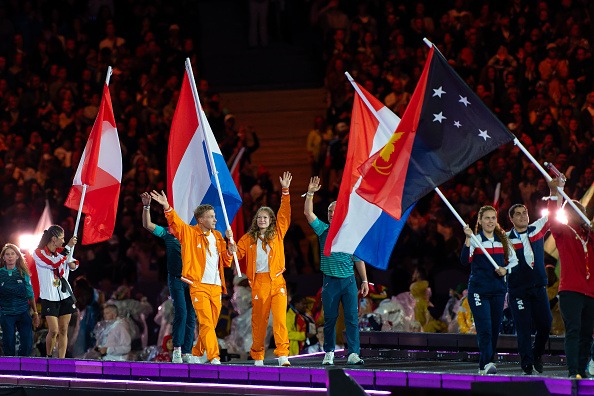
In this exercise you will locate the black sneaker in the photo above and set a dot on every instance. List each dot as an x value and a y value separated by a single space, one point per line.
527 369
538 364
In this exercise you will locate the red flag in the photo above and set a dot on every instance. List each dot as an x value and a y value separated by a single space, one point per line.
445 128
100 168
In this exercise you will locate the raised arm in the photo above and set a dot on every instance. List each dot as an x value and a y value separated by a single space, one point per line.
146 212
177 226
283 218
312 188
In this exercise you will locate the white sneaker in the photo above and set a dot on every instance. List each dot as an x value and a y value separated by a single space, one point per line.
328 359
591 367
215 361
283 361
258 362
354 359
490 368
176 357
187 357
197 359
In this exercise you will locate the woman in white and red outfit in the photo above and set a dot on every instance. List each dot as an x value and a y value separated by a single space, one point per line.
575 243
55 294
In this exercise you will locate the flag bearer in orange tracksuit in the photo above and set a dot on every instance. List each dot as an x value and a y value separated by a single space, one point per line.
264 250
204 254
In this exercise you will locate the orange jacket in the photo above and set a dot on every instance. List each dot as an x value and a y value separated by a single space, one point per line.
276 255
193 248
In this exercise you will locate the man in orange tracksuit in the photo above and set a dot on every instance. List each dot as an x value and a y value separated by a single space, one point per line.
263 248
204 254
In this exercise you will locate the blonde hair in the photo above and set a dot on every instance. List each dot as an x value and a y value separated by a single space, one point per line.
270 231
497 231
21 264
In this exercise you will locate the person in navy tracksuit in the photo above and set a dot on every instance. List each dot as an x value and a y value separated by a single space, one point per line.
486 285
527 286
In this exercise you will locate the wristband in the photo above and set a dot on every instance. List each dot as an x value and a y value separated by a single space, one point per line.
168 210
147 207
364 282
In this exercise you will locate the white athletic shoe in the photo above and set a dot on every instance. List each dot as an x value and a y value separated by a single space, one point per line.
354 359
198 359
283 361
258 362
490 368
591 367
186 357
176 357
215 361
328 359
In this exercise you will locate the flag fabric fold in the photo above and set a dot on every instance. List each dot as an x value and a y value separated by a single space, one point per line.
444 129
100 168
359 227
190 178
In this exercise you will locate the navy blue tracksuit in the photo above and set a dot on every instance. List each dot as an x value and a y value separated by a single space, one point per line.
486 293
528 298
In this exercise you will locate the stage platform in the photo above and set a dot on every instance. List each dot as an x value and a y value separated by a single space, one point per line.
450 368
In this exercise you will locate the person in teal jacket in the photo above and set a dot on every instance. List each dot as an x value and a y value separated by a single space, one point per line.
16 297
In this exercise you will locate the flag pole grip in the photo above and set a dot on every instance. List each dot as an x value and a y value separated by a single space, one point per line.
474 238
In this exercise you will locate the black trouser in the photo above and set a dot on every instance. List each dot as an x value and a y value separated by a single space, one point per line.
578 315
531 310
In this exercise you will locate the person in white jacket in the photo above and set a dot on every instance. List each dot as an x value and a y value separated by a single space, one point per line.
113 337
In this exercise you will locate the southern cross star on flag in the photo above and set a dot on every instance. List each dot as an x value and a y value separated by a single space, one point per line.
444 129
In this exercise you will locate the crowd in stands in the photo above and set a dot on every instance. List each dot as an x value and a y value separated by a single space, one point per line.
530 62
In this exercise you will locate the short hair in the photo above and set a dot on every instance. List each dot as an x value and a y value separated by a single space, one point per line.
201 209
331 204
512 209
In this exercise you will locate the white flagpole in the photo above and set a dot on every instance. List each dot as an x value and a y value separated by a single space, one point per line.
210 158
437 190
84 186
236 160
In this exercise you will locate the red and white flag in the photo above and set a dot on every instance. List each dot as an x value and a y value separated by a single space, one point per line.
100 168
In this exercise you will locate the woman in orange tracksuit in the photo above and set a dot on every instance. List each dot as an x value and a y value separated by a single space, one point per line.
204 254
264 250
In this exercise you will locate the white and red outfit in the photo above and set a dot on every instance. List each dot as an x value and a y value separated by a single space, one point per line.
50 268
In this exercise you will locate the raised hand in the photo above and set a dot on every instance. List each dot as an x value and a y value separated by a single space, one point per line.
146 198
314 185
161 198
72 241
285 181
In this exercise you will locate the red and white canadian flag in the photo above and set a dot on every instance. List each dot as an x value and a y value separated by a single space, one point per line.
100 169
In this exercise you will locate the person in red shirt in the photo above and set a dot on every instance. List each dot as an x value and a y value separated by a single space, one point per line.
575 243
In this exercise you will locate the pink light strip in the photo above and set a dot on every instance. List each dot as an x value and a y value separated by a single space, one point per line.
184 384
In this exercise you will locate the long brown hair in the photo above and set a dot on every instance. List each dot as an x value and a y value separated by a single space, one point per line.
20 263
497 231
270 232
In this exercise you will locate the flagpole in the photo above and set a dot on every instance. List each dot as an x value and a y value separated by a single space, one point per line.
236 160
84 186
210 158
437 190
